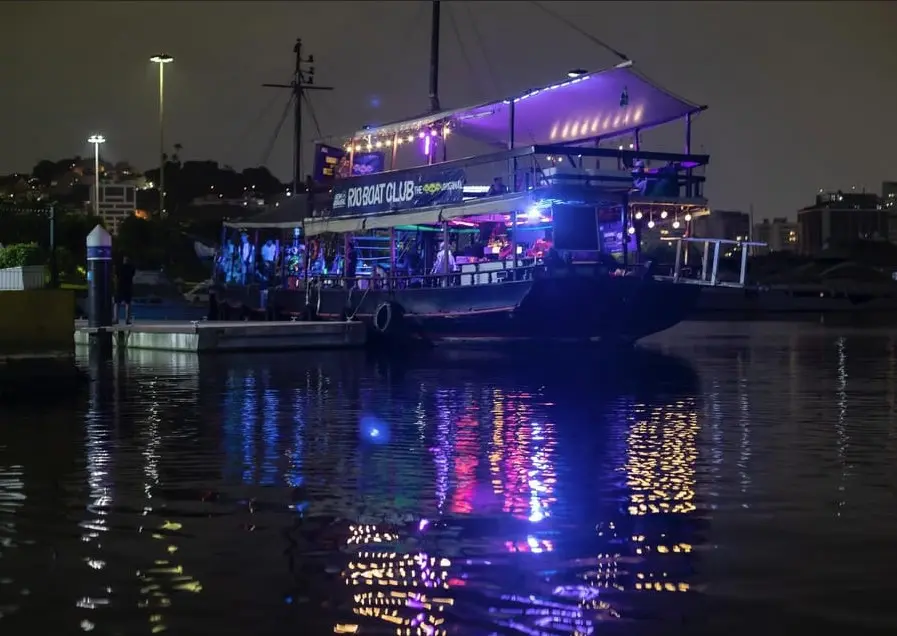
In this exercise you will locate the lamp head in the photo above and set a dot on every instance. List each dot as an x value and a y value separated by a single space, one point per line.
162 58
96 139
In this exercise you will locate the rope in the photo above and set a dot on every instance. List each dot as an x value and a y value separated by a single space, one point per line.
471 69
239 140
314 117
283 118
490 71
360 302
586 34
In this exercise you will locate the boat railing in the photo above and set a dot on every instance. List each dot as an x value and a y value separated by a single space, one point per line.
525 271
709 271
641 173
420 281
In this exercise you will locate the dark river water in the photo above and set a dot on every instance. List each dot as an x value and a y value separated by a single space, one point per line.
724 478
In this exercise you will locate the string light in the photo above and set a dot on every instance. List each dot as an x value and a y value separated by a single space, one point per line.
389 141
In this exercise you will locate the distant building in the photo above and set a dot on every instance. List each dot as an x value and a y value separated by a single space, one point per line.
723 224
117 202
839 219
889 204
780 235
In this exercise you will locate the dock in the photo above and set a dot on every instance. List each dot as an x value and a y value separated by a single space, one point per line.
219 337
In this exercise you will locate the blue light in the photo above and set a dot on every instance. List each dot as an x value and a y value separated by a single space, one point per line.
374 430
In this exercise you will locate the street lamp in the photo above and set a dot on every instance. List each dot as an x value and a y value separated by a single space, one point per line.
96 140
162 59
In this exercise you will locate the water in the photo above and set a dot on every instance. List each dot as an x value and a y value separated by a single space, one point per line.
734 478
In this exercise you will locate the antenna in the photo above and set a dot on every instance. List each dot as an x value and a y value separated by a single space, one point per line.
303 80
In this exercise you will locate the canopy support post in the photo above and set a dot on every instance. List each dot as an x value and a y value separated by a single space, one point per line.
514 242
392 256
512 163
688 173
624 223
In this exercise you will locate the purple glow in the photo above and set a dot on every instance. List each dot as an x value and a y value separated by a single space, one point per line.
424 523
578 109
427 145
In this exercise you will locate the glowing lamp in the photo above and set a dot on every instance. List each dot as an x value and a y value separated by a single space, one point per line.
638 216
663 214
421 134
651 223
675 225
687 217
631 230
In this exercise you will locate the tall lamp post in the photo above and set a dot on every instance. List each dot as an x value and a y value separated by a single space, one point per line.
96 140
162 59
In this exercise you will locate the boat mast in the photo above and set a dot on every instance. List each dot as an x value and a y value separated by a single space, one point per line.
297 117
303 80
434 59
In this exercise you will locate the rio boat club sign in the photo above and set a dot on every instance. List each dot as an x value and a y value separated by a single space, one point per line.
398 191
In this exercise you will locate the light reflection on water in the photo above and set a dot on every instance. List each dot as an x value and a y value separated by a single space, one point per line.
749 488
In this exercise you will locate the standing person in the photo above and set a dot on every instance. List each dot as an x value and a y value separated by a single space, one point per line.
124 285
351 265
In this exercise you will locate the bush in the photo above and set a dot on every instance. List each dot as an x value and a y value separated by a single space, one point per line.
21 255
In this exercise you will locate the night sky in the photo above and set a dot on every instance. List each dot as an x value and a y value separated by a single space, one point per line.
802 95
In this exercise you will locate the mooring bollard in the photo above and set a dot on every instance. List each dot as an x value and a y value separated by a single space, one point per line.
99 287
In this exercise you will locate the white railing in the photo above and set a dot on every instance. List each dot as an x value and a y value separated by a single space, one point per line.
710 275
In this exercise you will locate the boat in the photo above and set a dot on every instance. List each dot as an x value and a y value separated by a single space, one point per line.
548 252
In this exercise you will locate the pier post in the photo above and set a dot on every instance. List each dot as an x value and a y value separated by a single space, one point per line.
99 287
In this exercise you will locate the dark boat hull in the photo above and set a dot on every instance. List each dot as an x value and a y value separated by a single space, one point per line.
551 309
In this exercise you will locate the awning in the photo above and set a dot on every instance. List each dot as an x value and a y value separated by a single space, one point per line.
607 103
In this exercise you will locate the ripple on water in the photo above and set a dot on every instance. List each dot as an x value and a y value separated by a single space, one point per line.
750 487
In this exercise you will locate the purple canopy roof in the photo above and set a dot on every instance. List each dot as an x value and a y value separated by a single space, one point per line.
606 103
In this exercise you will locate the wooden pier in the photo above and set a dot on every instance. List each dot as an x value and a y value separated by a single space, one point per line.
214 337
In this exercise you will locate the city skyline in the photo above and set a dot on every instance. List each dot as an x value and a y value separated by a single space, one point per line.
774 93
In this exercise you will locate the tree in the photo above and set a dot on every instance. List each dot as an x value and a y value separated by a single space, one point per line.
143 241
261 181
46 172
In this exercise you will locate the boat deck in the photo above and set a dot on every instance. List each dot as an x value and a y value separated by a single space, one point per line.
210 337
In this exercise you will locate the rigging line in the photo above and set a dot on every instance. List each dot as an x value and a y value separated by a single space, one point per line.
471 69
314 117
283 118
240 139
490 71
582 32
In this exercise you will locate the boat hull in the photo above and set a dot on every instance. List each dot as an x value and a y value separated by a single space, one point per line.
551 309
